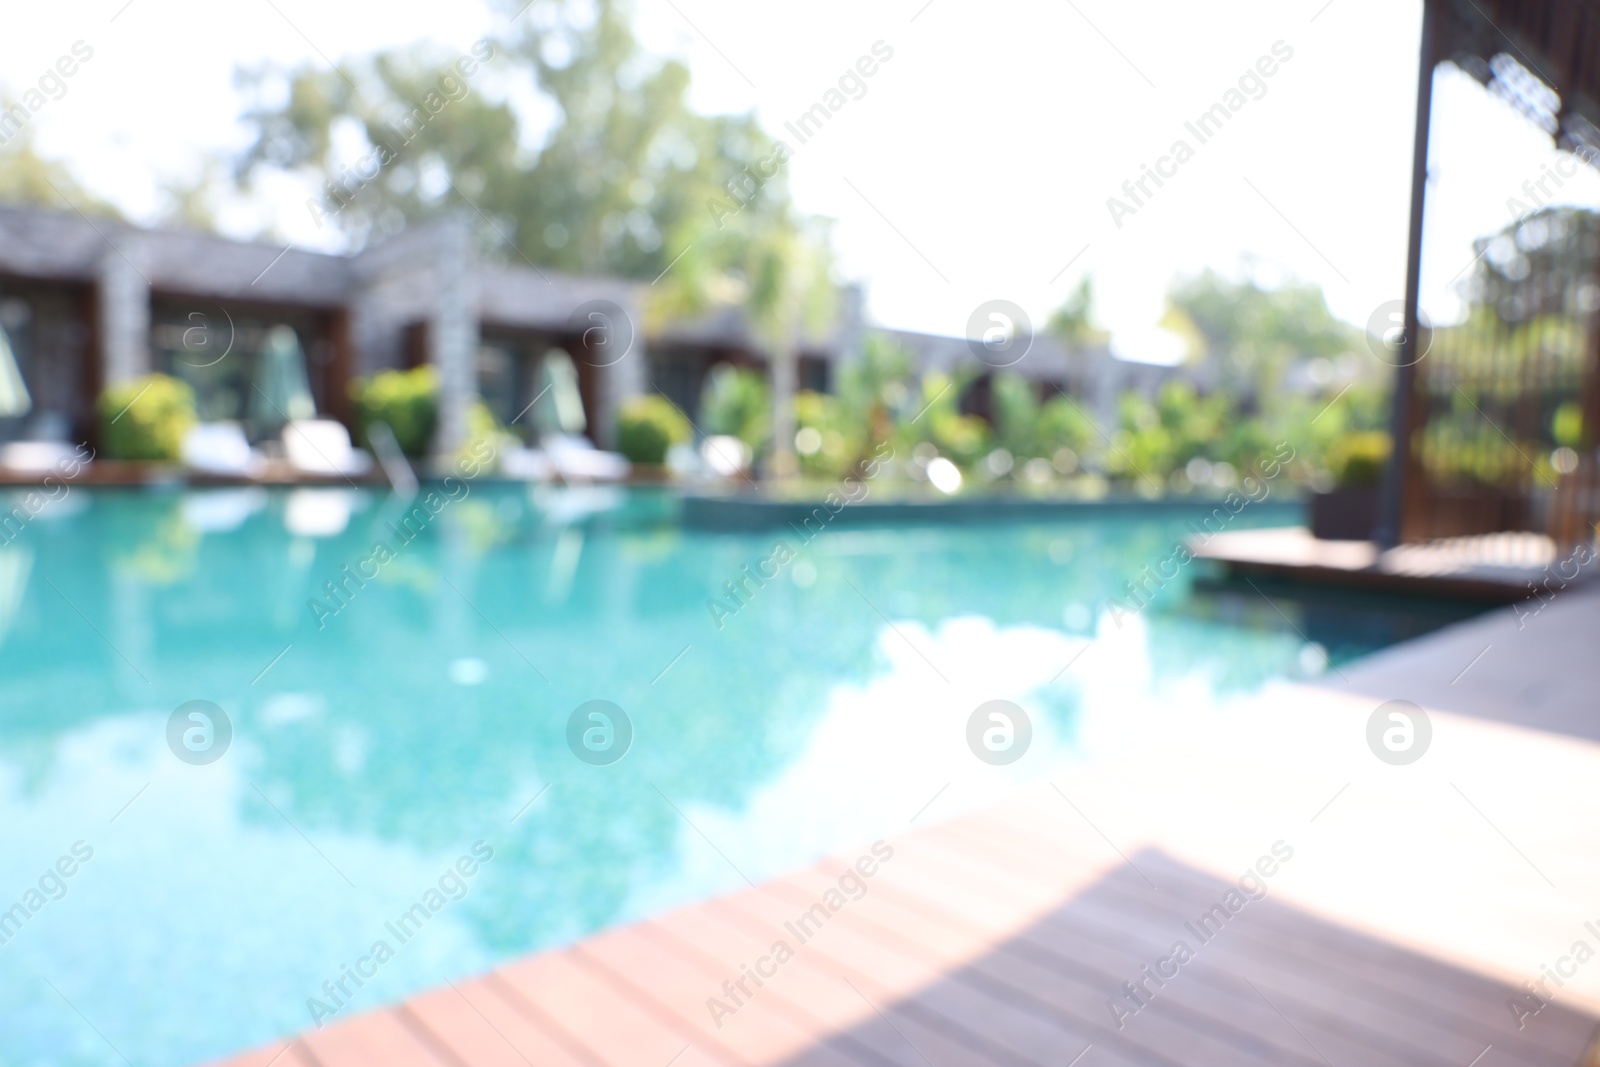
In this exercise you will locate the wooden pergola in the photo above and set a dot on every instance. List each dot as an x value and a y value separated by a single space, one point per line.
1543 57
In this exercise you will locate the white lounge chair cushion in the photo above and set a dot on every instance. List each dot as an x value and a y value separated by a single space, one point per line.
724 455
322 446
220 448
35 457
576 459
529 464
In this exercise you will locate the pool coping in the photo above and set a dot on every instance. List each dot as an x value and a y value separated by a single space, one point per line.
745 512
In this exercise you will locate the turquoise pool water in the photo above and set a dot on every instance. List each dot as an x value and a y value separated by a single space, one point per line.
423 725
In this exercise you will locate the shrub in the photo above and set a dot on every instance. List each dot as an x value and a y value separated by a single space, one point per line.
407 400
1567 425
1358 459
963 438
1016 415
146 419
736 401
838 442
1062 423
647 426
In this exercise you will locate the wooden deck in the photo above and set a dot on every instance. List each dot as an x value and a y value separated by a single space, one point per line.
1493 567
982 941
1418 901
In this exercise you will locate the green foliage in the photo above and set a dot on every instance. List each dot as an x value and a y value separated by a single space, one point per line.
736 401
873 387
648 426
1313 424
29 178
612 173
840 439
1256 334
1016 414
1462 442
1254 337
1502 387
874 397
1157 438
1566 427
146 418
407 400
1027 428
963 439
1062 423
1262 335
1073 322
1357 460
615 174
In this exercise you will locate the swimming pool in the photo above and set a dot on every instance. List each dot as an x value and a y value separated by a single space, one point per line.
407 741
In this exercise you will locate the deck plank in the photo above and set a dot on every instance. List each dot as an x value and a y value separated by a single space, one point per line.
1324 962
1496 567
480 1027
290 1053
679 988
1146 933
600 1015
1077 1001
1310 964
869 940
809 988
997 938
383 1037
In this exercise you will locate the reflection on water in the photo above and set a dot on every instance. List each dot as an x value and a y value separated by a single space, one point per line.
376 743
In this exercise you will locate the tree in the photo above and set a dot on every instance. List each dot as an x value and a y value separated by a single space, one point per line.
624 179
1073 322
28 178
791 293
1252 335
737 402
627 180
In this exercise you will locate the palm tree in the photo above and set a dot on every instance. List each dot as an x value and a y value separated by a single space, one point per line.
780 270
791 295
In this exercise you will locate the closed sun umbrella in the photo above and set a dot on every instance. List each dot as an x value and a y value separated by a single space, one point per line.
280 393
14 398
560 406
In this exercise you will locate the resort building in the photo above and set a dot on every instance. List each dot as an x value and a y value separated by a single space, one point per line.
1092 374
89 303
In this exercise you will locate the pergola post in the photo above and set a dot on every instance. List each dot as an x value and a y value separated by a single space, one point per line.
453 335
1391 509
123 296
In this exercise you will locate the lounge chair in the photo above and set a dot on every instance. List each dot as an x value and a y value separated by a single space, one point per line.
37 457
322 447
725 455
221 448
575 459
527 464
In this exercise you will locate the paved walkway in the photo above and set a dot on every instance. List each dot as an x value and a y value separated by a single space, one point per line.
1403 907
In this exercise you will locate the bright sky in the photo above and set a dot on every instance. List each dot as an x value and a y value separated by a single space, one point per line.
977 164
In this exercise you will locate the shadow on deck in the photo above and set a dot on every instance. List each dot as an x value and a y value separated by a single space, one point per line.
965 951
